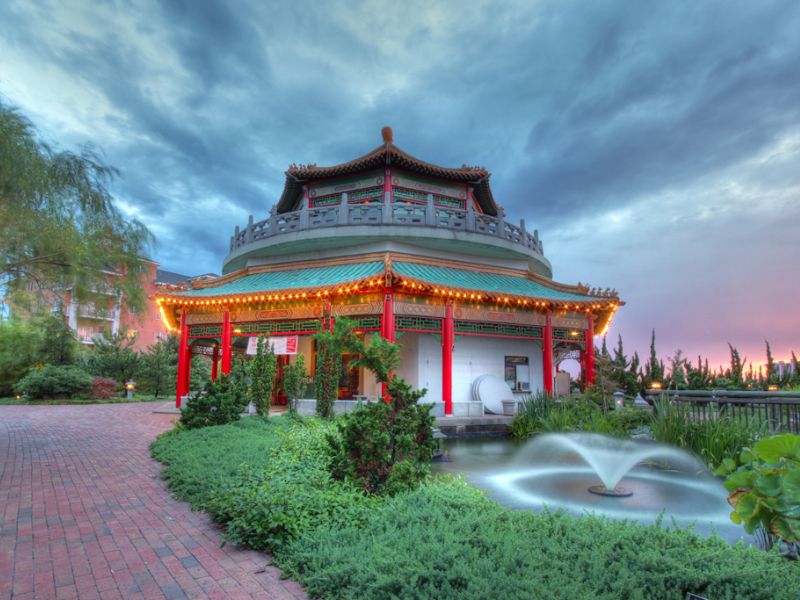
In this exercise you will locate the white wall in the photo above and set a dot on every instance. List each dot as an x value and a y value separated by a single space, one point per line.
429 359
475 356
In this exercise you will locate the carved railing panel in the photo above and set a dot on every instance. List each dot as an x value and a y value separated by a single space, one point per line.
403 212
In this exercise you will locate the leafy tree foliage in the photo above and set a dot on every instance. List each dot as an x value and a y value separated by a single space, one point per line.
262 375
59 227
113 356
158 367
57 343
20 344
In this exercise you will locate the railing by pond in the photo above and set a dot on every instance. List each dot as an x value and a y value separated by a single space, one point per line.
420 214
780 411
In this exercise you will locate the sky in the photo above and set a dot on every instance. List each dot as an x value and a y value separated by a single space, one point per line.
654 145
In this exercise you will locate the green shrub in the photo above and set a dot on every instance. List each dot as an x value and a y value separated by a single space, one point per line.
54 381
446 541
221 402
629 418
765 489
383 447
292 495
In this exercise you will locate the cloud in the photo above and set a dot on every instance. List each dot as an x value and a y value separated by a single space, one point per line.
654 146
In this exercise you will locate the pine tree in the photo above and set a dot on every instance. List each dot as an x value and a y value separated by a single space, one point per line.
771 375
653 368
795 379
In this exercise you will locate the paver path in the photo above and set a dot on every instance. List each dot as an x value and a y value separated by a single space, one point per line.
83 514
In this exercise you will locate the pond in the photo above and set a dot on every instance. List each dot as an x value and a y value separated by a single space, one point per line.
547 471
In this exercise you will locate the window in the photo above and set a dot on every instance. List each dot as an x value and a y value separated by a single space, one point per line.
517 373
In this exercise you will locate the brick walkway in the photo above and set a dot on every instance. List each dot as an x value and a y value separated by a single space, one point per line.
83 514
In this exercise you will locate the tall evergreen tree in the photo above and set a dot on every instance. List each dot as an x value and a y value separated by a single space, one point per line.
771 375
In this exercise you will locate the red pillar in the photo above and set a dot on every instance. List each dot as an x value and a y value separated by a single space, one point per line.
589 351
387 328
547 356
448 341
214 360
226 342
184 361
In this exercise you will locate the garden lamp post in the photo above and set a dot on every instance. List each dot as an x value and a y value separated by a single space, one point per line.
129 388
619 399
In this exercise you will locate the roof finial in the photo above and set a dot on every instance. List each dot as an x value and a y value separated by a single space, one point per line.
386 132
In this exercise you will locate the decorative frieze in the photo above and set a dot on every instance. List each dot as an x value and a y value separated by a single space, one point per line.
419 310
365 308
570 320
467 313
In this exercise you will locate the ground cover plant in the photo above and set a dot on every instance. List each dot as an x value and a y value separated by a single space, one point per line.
442 540
199 460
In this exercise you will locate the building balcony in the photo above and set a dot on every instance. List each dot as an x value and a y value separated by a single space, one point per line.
420 223
88 311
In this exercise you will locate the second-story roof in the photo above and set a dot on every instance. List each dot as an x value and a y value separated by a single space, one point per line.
384 155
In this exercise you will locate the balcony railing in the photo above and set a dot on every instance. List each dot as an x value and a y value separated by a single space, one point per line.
88 311
417 214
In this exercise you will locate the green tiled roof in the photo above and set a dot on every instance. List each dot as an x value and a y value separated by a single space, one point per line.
288 280
486 282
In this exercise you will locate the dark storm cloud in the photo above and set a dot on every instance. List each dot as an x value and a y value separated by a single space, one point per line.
580 109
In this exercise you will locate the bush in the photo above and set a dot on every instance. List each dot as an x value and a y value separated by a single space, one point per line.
54 381
629 418
221 402
446 541
292 495
103 388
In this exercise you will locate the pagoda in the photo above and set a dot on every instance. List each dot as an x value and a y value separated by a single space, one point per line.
418 253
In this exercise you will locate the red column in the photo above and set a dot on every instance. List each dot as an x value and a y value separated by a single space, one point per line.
448 341
547 356
589 352
184 360
387 316
226 342
214 360
387 328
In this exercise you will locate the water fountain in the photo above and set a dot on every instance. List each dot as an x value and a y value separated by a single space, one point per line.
628 479
610 458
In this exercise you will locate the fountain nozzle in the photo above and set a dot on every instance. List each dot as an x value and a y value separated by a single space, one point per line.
616 492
